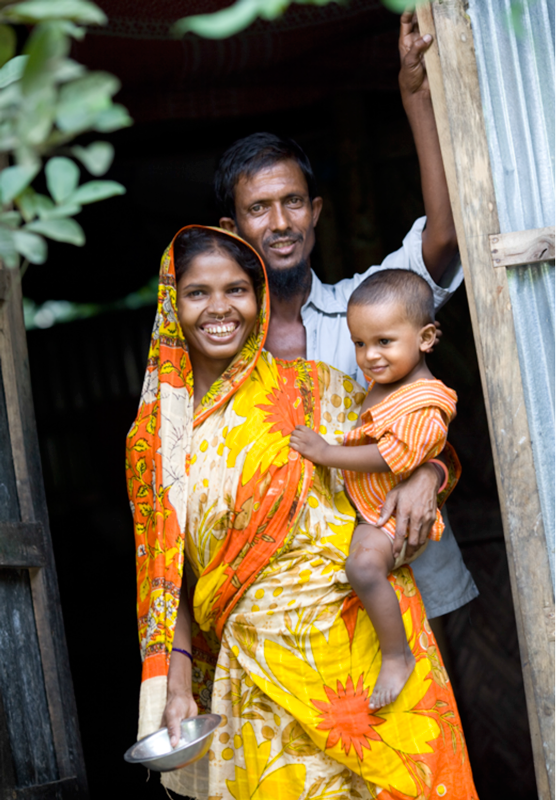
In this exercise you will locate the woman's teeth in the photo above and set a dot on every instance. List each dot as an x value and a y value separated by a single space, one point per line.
220 330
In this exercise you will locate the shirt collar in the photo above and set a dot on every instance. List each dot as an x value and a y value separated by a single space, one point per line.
323 297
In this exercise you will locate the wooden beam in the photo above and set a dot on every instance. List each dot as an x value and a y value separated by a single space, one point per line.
65 789
522 247
32 504
22 545
452 70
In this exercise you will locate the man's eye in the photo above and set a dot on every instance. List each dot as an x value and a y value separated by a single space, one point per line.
257 208
295 201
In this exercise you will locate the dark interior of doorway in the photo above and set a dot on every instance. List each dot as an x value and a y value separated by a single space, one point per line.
86 380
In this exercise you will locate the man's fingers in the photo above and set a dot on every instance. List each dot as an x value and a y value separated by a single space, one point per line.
388 508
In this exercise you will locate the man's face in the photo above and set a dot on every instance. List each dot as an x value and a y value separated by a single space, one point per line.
275 215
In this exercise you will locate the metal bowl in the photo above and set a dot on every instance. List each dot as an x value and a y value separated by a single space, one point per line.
155 751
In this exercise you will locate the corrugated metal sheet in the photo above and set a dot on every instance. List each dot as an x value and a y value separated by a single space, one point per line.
514 42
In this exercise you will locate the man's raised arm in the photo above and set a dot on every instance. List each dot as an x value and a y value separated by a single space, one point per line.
439 235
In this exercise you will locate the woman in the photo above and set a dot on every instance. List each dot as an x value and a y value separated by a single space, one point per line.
278 639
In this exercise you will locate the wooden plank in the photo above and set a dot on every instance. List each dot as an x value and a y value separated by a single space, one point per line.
7 775
22 545
453 77
32 504
65 789
522 247
3 285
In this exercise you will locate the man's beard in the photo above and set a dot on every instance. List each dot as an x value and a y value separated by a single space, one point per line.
285 284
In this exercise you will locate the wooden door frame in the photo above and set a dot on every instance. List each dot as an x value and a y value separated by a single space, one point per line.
453 76
27 544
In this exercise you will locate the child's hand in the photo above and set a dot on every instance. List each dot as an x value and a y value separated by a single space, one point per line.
308 443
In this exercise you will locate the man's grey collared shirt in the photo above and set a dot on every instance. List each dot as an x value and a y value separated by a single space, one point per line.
443 579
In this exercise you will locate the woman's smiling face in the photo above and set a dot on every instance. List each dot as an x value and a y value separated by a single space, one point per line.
217 307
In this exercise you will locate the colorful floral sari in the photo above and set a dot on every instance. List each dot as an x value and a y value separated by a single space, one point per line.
282 647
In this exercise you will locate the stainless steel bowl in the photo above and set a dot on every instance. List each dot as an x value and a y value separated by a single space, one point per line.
156 752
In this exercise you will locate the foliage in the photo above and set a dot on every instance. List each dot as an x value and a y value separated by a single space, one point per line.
237 17
46 100
242 13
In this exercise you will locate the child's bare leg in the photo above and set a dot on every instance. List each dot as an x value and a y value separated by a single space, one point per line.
370 561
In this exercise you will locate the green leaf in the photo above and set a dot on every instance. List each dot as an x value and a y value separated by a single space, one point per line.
62 176
399 6
31 246
46 43
67 70
11 219
13 180
35 118
8 253
65 210
222 23
96 190
97 157
80 11
8 43
62 230
13 70
112 119
81 101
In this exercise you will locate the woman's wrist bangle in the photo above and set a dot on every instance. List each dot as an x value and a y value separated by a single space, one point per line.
443 473
183 652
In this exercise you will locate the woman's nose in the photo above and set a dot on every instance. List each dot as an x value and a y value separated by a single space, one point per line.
219 305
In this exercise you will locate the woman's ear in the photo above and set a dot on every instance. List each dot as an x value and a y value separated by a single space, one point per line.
427 336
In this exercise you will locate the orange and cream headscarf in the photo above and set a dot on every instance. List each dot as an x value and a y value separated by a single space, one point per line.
266 503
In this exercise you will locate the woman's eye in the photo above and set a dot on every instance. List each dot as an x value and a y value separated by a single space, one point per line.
195 293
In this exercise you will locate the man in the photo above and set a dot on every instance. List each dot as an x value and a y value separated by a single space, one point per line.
266 188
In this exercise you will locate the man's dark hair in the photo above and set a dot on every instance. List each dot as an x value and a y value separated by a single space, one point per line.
400 286
195 241
247 157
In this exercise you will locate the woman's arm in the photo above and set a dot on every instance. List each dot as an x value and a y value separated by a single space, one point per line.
365 458
179 702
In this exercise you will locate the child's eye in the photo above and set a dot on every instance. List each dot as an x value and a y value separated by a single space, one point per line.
358 344
384 342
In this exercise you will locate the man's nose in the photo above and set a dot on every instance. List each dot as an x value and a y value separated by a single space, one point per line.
279 220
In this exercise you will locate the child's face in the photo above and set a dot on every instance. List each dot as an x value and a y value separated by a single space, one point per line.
388 346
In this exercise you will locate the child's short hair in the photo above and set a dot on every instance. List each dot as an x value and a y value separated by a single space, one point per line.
401 286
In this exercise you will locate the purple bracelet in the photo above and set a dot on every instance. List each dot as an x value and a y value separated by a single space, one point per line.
183 652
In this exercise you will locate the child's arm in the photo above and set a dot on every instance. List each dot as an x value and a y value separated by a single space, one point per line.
365 458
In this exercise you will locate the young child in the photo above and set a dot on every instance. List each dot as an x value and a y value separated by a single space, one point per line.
403 423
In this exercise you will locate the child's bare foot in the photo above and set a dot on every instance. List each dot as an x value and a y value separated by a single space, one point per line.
393 675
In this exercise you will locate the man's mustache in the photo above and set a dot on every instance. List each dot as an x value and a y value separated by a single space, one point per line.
281 237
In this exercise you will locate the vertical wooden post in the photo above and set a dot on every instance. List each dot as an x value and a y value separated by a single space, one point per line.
25 543
452 70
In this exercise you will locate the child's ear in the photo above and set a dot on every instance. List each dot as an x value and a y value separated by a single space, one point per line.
427 336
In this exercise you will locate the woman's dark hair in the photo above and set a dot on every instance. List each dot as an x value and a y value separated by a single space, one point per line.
194 241
247 157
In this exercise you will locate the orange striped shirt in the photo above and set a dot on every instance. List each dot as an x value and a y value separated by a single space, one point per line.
409 427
